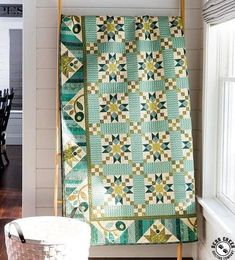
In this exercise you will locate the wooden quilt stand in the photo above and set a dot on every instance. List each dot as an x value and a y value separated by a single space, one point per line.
58 152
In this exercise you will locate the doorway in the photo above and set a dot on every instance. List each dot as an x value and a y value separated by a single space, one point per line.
11 28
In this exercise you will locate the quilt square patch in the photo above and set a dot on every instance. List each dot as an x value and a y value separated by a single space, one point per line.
110 29
112 67
147 28
95 129
190 188
176 26
119 190
153 106
187 144
156 147
116 149
133 86
170 83
140 210
96 170
184 103
150 66
180 63
159 188
166 43
130 47
114 108
92 48
92 88
135 128
138 168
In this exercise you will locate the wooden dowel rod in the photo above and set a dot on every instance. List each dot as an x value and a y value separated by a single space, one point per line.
182 11
57 155
179 251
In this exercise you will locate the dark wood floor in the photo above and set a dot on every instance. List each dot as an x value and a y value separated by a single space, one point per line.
10 192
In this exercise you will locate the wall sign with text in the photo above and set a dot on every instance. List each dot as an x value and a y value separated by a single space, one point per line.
13 10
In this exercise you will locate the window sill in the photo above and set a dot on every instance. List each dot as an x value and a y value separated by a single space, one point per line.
218 215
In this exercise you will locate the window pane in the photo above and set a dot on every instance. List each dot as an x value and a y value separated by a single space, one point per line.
226 48
16 67
4 58
228 142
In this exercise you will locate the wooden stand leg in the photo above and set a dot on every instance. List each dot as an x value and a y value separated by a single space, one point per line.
57 155
179 251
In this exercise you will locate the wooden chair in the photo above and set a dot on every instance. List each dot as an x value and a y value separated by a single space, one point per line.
3 108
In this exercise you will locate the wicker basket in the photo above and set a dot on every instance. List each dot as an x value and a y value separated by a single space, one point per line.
44 238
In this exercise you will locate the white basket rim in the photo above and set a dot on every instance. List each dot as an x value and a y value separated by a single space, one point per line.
39 236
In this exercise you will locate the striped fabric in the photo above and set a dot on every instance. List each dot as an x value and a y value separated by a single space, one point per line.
218 11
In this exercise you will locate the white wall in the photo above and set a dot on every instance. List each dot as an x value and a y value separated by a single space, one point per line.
42 135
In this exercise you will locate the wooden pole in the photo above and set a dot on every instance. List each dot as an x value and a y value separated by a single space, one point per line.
179 251
182 11
57 155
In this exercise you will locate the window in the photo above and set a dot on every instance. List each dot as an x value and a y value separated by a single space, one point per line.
226 149
11 61
15 59
4 58
220 107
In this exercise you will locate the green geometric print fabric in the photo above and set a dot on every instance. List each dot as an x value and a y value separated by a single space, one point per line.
127 152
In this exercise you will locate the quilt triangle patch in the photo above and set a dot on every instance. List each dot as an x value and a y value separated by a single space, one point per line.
68 64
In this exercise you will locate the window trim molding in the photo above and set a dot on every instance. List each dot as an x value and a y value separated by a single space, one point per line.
214 211
209 121
219 182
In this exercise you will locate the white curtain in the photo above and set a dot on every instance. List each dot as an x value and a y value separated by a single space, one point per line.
218 11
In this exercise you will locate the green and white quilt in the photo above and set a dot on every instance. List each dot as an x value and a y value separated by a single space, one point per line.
127 153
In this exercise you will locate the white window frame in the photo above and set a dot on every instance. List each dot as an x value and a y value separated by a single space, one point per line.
220 165
209 117
213 209
212 118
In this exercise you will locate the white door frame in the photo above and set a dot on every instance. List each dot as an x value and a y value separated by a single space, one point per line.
29 109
